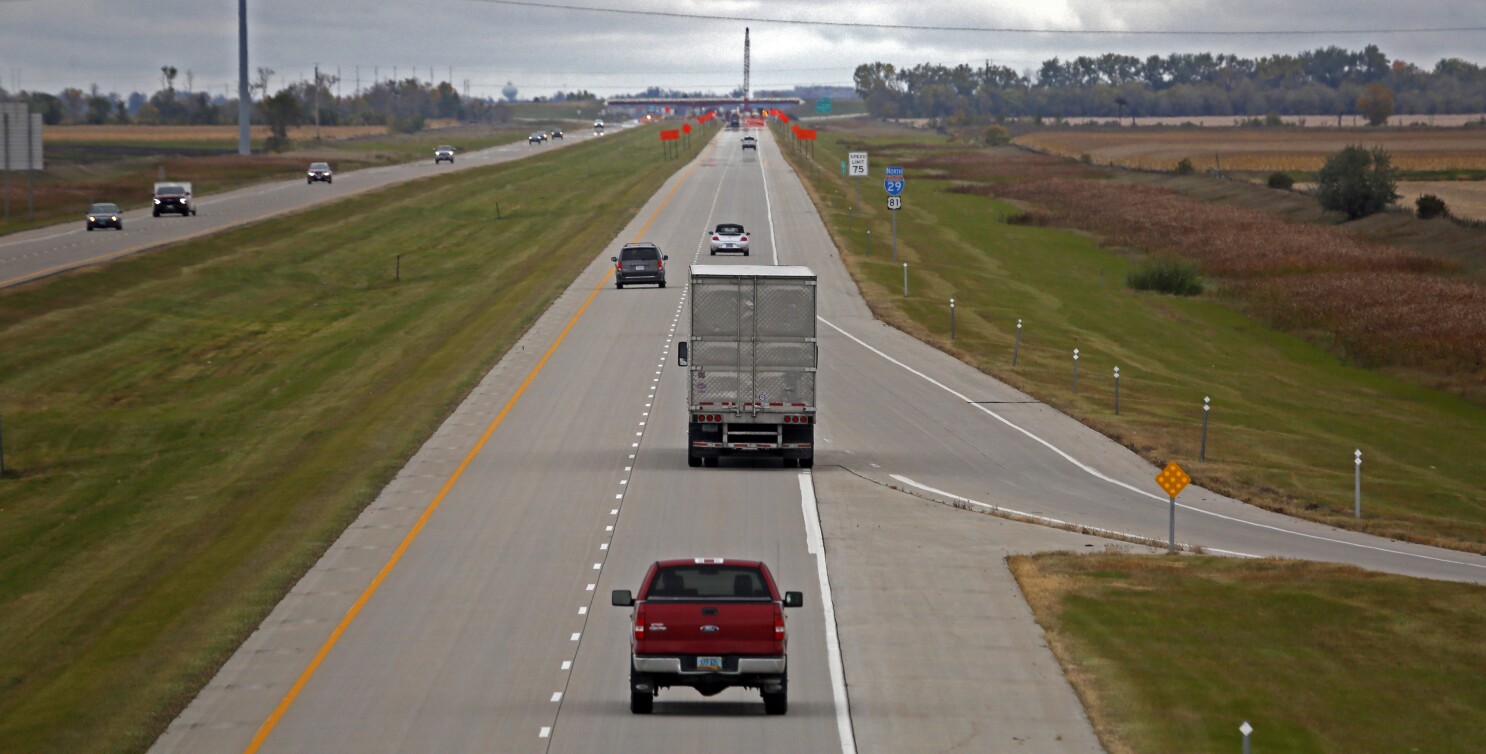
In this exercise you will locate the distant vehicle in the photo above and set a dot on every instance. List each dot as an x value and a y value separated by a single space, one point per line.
729 237
557 133
537 137
711 624
751 362
173 197
443 152
105 215
639 263
319 171
599 124
750 143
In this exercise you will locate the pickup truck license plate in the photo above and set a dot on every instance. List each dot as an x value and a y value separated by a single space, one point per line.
709 663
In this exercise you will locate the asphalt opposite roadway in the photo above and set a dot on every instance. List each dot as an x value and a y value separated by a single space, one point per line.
46 251
493 630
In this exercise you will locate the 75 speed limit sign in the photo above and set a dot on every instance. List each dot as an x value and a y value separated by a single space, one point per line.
895 202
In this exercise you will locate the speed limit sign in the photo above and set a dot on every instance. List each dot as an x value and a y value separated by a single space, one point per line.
895 202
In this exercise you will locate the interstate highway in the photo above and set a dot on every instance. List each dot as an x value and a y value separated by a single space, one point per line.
46 251
467 608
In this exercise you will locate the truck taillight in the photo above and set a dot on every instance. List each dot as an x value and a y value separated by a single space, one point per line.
778 624
639 622
618 266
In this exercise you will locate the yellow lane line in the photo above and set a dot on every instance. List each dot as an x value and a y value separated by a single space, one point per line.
330 642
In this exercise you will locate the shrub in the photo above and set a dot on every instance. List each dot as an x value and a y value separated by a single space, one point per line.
1185 167
1171 276
1431 206
996 136
1273 120
1281 180
1357 181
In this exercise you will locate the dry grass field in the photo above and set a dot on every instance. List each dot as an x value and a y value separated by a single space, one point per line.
1382 305
1466 199
1305 121
1262 150
182 134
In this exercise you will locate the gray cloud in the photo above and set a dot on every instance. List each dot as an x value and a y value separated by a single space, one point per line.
50 44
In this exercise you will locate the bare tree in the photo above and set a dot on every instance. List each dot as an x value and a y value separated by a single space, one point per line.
167 77
261 84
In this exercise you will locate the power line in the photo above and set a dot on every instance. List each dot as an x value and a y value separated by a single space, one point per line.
985 29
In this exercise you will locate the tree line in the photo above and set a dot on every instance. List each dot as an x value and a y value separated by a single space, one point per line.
1329 81
399 104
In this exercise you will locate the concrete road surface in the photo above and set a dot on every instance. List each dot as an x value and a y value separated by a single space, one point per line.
467 609
46 251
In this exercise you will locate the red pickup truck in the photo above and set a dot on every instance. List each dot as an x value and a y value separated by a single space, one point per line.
711 624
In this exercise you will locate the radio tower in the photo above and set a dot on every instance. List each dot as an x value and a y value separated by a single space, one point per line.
745 69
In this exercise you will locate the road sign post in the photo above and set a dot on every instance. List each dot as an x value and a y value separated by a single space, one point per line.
1173 480
894 185
1246 729
905 280
895 239
1207 408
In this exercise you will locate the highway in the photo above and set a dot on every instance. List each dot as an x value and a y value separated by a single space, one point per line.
46 251
467 607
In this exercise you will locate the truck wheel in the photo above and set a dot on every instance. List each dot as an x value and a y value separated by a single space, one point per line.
90 229
662 283
693 461
619 286
806 463
643 702
776 704
711 463
157 213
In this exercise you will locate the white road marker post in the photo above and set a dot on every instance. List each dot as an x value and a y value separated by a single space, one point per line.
1016 348
1075 370
905 279
1117 390
1207 408
1246 729
951 318
869 242
1357 485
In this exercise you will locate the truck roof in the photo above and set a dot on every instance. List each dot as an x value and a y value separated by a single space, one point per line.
751 270
707 561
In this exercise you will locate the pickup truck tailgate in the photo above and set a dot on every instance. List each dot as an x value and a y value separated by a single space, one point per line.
711 628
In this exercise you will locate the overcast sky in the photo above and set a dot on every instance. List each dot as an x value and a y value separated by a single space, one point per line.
51 44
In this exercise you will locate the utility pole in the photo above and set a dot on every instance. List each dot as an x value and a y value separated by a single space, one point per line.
244 99
317 102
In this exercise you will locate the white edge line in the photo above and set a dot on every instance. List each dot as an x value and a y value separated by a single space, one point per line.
1093 530
1100 475
769 207
815 545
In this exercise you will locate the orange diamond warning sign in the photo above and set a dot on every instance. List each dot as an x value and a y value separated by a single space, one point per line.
1173 479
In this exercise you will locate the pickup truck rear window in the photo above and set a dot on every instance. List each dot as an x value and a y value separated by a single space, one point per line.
709 583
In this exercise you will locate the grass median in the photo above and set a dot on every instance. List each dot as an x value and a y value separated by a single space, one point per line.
1173 654
1287 413
187 430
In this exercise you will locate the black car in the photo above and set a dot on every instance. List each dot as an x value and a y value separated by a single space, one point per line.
537 137
319 171
104 215
639 263
557 133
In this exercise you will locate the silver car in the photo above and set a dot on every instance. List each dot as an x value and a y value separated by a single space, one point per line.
729 237
443 152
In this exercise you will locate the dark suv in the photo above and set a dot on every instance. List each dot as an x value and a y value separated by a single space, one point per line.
639 263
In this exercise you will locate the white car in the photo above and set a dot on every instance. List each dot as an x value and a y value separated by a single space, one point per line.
729 237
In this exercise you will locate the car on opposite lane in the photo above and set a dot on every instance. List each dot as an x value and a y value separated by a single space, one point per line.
442 153
639 263
318 172
750 143
556 133
711 624
173 196
536 137
105 215
729 237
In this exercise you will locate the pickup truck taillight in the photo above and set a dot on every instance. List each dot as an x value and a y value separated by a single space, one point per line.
778 624
639 622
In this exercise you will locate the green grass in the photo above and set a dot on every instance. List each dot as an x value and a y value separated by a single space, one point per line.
1287 414
188 429
1172 654
79 173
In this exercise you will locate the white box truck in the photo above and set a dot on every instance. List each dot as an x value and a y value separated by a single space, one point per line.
751 363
